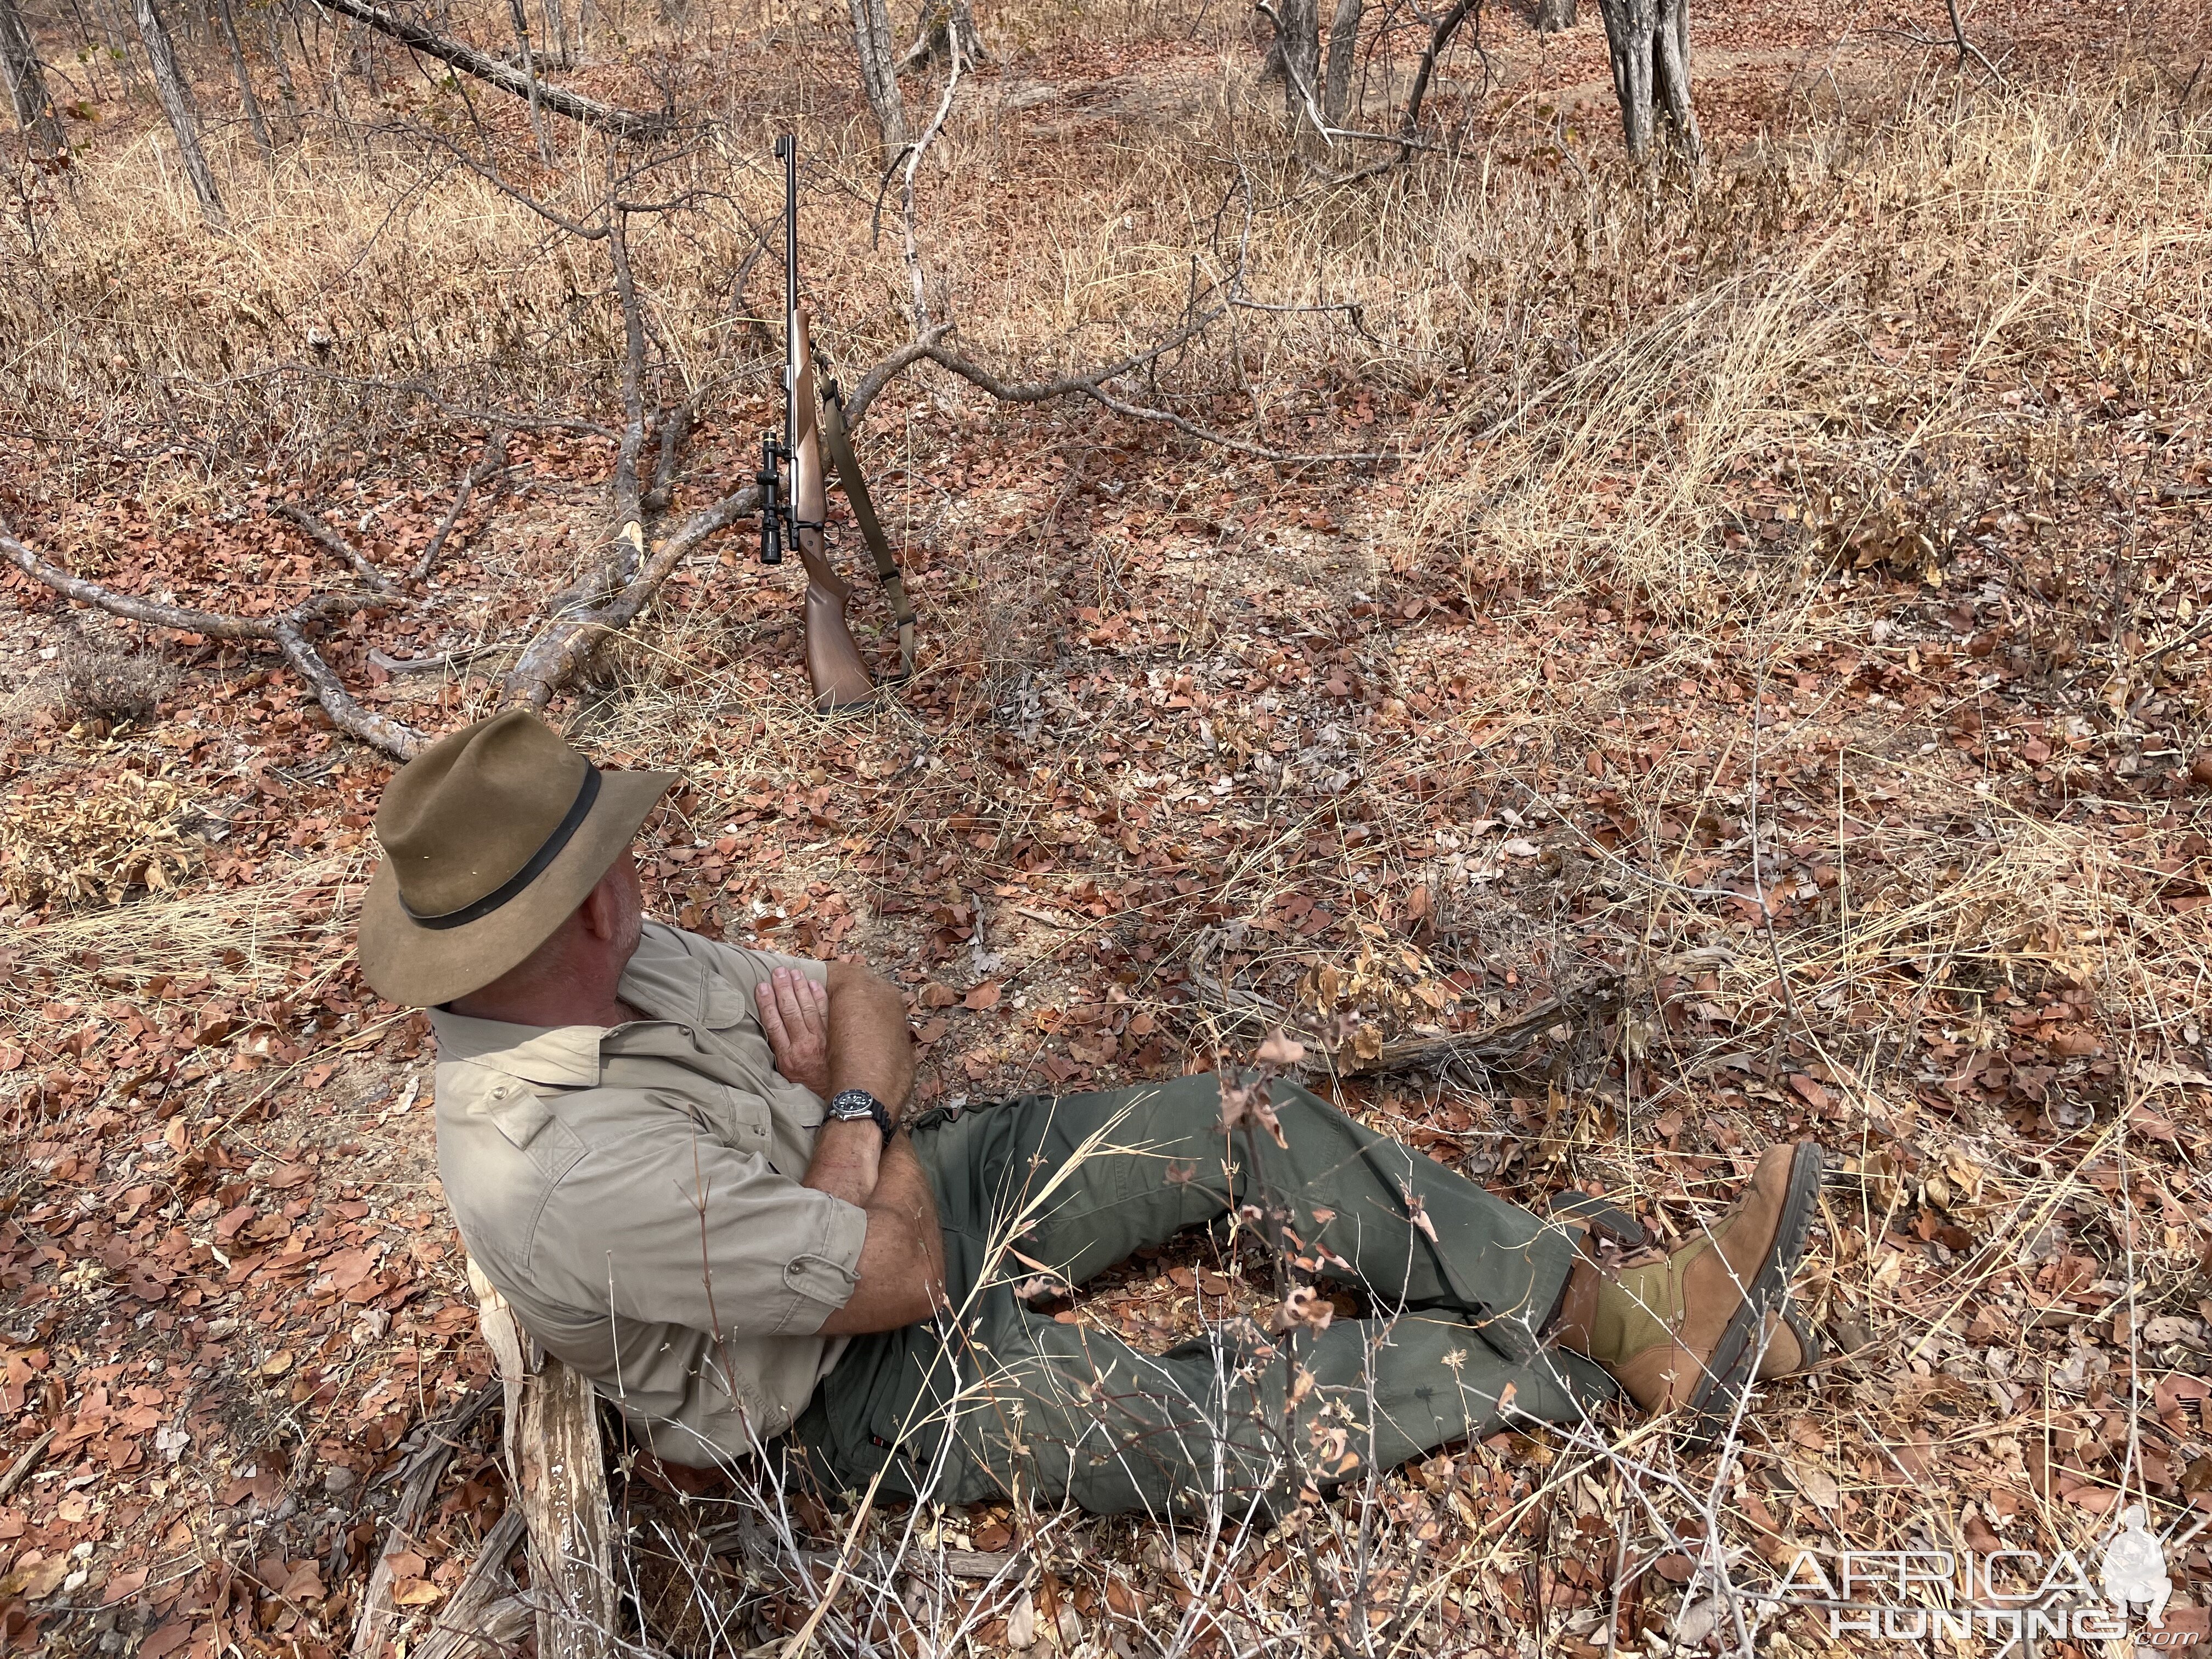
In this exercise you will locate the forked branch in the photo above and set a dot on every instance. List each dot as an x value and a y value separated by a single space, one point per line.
1966 47
568 642
494 462
286 631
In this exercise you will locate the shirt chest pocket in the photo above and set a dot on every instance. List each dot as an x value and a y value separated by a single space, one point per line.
737 1120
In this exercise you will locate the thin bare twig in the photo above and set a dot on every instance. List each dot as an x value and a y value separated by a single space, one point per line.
331 541
493 461
1758 868
921 299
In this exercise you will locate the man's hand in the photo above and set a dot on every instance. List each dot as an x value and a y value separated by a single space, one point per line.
794 1012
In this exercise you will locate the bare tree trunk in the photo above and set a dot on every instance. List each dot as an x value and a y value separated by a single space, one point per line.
1648 42
530 71
282 60
1440 36
118 46
1343 50
946 28
872 42
177 105
1296 55
245 81
556 30
27 79
1554 17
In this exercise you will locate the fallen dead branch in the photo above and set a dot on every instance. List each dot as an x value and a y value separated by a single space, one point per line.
620 583
1500 1049
461 1627
378 1611
557 1473
329 539
287 631
20 1470
493 463
587 112
562 1495
557 654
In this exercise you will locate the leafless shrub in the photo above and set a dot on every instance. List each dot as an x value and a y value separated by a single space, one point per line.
100 683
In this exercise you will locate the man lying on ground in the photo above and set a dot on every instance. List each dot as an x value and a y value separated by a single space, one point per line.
694 1172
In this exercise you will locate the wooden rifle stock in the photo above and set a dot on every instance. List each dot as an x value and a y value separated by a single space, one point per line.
840 678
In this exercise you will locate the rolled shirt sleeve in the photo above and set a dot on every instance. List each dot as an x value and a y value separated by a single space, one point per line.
669 1225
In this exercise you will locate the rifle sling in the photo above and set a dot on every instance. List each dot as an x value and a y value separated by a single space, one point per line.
855 487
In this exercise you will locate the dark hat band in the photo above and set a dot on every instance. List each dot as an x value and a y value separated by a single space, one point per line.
535 867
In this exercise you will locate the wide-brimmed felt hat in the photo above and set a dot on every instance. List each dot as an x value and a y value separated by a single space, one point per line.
492 837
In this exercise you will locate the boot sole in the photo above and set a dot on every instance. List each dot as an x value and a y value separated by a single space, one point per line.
1735 1358
1809 1339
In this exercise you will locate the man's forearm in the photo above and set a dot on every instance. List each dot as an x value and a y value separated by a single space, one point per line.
901 1266
870 1047
847 1161
903 1194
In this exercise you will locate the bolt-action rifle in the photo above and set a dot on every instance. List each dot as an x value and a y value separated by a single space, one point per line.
795 515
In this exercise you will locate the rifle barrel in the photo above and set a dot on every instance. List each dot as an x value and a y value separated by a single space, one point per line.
778 505
787 147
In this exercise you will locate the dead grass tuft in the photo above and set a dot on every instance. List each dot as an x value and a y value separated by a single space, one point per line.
62 843
1806 345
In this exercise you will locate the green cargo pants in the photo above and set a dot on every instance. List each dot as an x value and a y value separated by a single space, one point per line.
995 1400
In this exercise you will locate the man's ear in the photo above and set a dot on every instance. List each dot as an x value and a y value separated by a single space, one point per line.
601 910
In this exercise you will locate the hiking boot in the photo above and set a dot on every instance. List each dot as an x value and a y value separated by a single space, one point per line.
1792 1346
1682 1334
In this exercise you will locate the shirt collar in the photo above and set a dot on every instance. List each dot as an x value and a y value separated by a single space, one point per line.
661 980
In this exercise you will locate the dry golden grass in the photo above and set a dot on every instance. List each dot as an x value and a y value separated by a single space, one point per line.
2071 220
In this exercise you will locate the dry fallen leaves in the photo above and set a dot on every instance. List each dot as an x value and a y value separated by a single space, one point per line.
1246 1102
1305 1307
2003 1054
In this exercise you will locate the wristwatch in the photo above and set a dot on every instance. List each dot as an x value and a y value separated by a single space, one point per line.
857 1105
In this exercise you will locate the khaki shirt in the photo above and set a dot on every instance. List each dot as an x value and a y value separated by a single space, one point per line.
635 1193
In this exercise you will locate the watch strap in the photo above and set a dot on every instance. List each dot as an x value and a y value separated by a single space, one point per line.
851 1105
